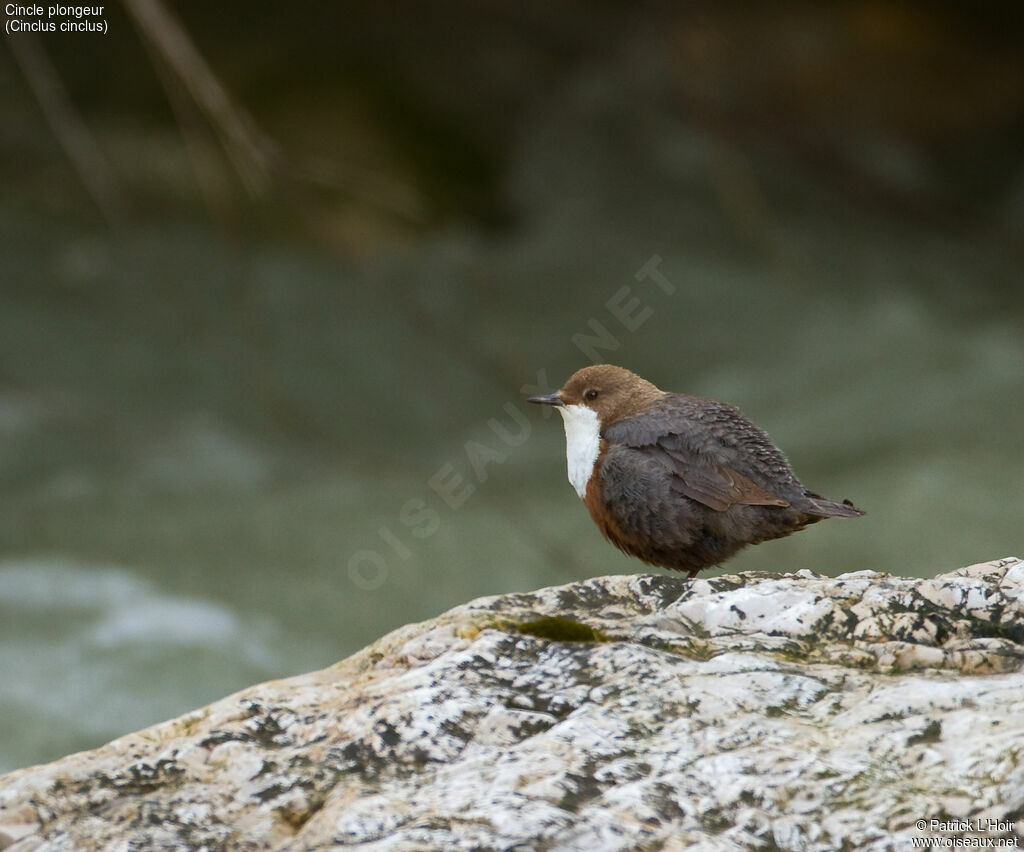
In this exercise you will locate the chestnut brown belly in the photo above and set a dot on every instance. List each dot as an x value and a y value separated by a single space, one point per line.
669 530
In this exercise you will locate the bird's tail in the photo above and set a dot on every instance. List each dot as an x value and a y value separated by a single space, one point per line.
820 507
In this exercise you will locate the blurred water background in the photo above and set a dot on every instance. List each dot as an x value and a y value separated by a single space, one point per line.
261 385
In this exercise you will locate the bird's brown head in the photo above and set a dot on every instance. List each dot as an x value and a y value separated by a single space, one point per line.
612 393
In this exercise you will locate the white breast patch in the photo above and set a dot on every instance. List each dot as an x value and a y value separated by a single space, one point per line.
582 444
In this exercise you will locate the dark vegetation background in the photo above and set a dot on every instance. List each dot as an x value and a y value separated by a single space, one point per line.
268 269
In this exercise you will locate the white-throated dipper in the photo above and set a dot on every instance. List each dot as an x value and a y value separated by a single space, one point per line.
678 481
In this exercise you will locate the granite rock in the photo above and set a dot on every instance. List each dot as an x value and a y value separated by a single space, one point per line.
794 711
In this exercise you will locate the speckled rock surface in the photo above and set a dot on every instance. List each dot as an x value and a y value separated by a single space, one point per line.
618 713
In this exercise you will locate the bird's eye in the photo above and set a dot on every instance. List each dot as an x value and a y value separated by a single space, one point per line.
590 395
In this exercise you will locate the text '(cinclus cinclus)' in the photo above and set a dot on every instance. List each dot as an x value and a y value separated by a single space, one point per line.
675 480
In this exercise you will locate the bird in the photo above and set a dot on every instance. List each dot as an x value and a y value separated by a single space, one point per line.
678 481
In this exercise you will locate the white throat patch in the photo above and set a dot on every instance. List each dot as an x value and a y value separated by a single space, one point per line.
582 444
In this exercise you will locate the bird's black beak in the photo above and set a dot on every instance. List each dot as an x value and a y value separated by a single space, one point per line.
549 399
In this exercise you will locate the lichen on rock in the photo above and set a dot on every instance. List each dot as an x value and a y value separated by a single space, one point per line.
789 711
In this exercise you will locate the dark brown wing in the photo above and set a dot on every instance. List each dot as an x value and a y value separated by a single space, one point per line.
690 437
716 486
